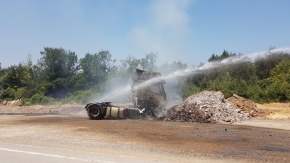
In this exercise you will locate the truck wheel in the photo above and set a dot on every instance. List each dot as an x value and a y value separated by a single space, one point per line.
95 112
149 114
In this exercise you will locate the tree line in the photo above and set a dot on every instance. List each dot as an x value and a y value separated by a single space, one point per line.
60 76
266 79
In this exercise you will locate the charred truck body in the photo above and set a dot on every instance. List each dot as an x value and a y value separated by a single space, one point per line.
148 99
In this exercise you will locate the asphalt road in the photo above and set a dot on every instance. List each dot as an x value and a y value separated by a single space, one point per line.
69 138
27 154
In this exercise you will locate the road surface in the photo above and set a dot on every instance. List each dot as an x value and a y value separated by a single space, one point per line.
75 138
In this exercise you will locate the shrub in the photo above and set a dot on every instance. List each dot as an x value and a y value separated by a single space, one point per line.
80 97
42 99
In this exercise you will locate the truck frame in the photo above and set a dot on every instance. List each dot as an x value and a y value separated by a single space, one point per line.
148 98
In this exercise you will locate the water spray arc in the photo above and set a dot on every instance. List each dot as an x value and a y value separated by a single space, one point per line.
126 89
211 65
147 90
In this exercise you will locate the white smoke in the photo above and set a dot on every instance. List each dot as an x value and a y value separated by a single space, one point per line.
165 30
171 77
121 91
120 94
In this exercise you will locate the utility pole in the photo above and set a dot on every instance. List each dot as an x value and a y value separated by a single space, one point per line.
0 65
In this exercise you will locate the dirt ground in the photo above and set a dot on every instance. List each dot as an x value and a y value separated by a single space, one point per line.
275 110
264 139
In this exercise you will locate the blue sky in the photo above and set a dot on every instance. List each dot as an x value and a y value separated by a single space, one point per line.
189 31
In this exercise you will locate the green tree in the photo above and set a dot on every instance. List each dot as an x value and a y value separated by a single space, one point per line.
281 71
128 65
279 82
224 55
57 63
242 70
149 61
96 67
263 65
16 81
54 71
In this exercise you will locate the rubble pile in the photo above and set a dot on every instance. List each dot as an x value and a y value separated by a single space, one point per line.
206 107
12 103
245 105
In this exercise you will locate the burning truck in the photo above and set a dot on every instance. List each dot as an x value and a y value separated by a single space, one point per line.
148 99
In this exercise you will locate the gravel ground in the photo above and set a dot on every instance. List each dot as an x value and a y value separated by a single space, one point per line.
68 127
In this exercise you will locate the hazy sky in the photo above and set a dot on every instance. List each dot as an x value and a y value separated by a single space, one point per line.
189 31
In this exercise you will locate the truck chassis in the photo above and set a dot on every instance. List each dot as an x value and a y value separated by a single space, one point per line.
147 100
97 111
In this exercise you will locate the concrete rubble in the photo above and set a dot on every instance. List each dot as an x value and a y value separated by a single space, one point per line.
206 107
12 103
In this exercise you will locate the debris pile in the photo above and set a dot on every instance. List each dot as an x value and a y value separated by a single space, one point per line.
245 105
12 103
206 107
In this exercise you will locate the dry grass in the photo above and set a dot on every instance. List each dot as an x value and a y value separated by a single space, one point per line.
275 110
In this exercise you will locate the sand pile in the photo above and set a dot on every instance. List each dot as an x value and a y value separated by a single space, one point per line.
206 107
245 105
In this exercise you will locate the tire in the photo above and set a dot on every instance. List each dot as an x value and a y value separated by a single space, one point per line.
149 114
95 112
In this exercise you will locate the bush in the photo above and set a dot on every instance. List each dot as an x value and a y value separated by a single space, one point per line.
42 99
80 97
22 93
277 85
4 94
279 91
189 90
